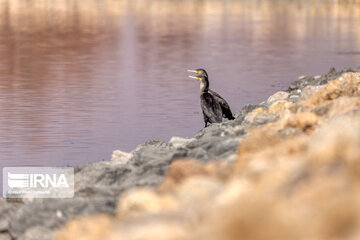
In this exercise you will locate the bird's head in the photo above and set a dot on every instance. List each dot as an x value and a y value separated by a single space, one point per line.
199 71
199 78
204 83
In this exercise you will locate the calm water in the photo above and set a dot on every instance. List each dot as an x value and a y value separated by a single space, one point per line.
79 79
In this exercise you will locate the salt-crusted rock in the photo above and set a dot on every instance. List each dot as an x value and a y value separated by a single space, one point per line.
120 156
178 142
277 96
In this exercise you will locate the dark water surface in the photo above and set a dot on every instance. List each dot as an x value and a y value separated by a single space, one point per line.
79 79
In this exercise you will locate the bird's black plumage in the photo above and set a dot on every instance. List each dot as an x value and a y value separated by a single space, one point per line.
226 111
211 108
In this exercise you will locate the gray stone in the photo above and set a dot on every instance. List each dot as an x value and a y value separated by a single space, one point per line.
6 209
37 233
199 154
42 216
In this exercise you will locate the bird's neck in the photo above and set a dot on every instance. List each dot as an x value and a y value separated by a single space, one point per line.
204 86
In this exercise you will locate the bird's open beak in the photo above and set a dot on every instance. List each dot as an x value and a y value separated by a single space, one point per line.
197 78
194 71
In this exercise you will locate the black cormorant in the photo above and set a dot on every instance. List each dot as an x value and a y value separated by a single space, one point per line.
210 106
226 112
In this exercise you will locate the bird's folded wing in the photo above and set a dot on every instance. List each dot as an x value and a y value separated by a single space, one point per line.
211 108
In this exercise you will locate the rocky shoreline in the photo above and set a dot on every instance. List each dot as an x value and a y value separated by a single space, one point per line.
213 152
